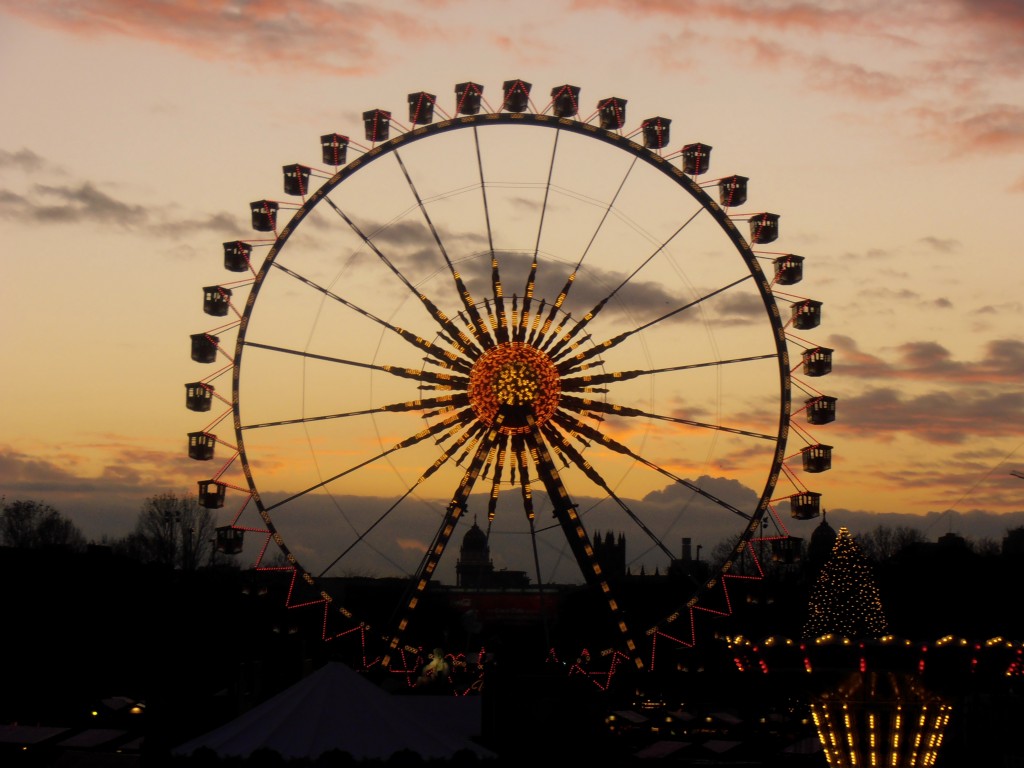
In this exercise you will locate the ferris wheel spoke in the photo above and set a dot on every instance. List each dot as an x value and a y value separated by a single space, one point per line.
555 437
427 404
433 555
467 347
581 405
361 535
531 280
499 453
489 439
571 279
483 191
444 358
575 533
573 364
522 323
477 327
575 424
535 325
520 459
442 380
434 430
467 440
563 340
521 462
585 383
497 319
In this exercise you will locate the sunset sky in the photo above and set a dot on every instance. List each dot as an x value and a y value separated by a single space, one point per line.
888 136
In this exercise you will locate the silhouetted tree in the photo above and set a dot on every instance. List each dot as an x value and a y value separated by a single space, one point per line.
987 547
33 524
883 542
758 556
172 530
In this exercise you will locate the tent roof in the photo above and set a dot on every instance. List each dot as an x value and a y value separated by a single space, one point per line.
337 708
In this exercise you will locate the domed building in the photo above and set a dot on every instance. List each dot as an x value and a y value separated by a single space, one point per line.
819 550
475 569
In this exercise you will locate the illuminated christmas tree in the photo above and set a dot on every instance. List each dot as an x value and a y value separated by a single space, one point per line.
845 600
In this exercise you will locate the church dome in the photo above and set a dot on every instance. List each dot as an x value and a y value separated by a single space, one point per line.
475 539
822 541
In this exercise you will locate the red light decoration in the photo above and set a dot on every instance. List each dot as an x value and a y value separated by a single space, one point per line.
468 97
237 255
421 108
613 113
296 179
335 148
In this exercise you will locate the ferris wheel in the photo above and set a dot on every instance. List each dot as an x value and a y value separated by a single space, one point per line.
539 326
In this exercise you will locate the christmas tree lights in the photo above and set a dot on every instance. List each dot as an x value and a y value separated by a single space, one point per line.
845 600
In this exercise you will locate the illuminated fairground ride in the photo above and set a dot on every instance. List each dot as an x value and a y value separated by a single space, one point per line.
883 701
548 323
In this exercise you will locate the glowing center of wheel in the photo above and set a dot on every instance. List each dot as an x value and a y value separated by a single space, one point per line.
516 380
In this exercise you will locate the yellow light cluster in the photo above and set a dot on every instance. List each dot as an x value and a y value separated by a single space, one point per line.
845 599
873 722
518 376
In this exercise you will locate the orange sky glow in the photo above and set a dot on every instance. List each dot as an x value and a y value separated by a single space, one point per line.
890 139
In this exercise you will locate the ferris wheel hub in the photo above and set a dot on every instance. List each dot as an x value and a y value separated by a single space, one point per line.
518 380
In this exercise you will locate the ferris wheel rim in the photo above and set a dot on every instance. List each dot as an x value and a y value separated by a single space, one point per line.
612 138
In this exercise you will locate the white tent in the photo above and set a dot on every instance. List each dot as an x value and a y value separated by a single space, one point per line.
336 708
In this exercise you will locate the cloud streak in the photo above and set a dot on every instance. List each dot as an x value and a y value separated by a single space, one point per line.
105 500
988 128
949 417
24 160
826 74
84 202
928 394
917 56
1002 362
318 35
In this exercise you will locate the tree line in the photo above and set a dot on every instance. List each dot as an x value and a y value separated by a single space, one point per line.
178 532
171 530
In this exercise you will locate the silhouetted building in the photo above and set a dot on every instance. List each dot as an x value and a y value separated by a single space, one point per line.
952 542
1013 542
475 569
822 541
611 554
687 565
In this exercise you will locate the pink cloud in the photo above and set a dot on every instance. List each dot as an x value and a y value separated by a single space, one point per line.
998 128
998 22
987 128
777 15
829 75
309 34
962 48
